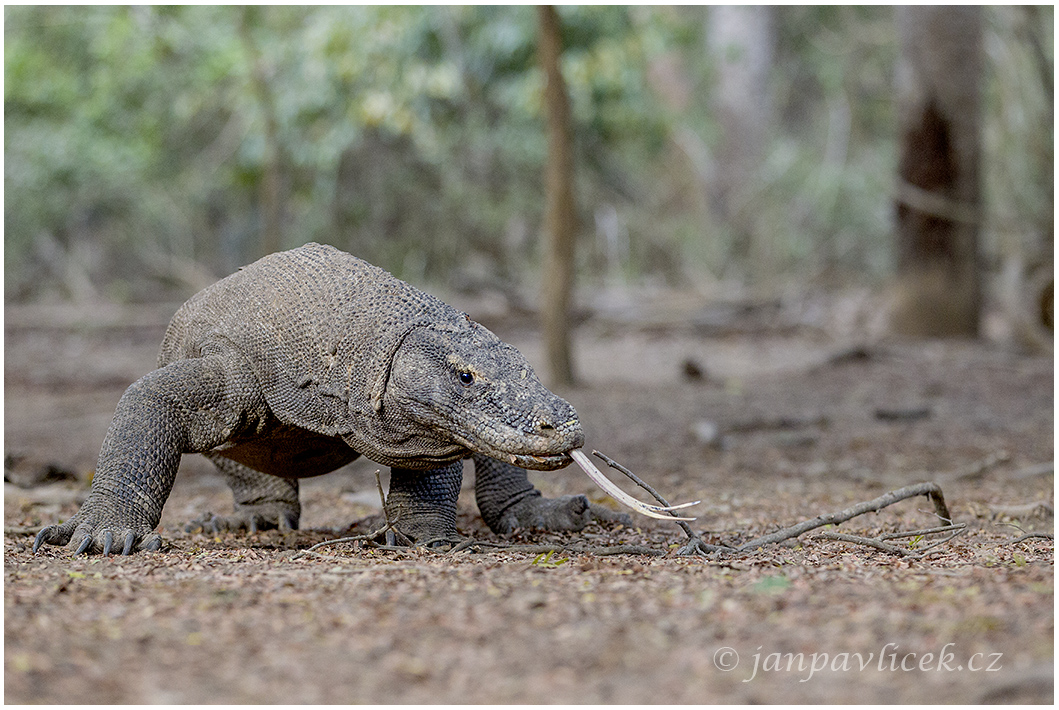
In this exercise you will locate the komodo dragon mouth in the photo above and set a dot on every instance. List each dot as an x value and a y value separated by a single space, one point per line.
540 463
535 462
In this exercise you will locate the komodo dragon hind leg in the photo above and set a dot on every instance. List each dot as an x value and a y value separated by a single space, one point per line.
507 500
262 501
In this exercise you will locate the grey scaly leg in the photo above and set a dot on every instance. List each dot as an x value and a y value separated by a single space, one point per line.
187 406
422 504
262 501
507 500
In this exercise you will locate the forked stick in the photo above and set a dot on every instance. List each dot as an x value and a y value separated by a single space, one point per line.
651 511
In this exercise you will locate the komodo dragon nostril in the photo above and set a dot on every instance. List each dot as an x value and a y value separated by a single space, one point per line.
546 426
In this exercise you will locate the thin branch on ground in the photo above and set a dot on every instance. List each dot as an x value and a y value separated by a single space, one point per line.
355 538
931 490
696 545
879 543
566 548
395 534
867 541
1027 536
382 494
925 531
961 531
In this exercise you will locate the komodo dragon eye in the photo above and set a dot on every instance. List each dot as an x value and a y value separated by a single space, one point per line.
466 379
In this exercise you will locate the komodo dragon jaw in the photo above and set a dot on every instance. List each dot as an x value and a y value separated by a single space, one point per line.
463 381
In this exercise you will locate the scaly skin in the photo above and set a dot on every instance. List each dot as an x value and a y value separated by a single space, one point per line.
304 360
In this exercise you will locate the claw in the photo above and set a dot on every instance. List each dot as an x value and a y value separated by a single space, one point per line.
130 540
253 524
108 542
40 538
154 544
86 542
651 511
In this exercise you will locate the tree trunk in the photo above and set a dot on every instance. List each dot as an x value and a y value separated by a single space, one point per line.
560 220
939 72
272 192
740 39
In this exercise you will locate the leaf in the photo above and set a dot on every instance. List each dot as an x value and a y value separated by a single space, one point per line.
774 584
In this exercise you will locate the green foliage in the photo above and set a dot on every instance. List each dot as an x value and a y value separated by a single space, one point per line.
139 142
1018 134
140 138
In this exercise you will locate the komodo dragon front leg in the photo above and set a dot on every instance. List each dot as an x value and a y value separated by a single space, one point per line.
187 406
507 500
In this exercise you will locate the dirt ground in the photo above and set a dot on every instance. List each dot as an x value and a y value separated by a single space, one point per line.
767 426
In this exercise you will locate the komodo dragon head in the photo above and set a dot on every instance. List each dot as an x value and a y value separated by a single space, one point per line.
462 384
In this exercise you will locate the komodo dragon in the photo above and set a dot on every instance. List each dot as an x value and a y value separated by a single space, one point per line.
302 361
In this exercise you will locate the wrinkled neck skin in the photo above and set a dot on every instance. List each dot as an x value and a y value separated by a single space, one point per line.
452 389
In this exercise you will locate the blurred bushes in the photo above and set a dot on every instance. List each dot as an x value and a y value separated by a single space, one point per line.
139 142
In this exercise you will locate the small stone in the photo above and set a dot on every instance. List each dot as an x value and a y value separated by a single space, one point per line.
708 433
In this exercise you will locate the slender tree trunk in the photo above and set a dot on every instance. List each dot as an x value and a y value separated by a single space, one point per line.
272 198
740 39
560 220
938 212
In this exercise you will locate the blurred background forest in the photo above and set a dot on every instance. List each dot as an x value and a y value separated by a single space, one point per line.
151 150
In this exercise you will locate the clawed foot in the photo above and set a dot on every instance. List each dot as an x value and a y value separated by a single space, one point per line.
253 518
395 538
87 534
566 513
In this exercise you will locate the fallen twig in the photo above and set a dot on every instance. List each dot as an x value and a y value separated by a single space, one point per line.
355 538
393 535
931 490
879 543
926 531
868 541
1027 536
568 548
923 550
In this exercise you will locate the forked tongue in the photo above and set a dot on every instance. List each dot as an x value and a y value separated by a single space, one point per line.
651 511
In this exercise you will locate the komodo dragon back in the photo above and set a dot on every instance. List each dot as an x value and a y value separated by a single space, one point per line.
318 327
